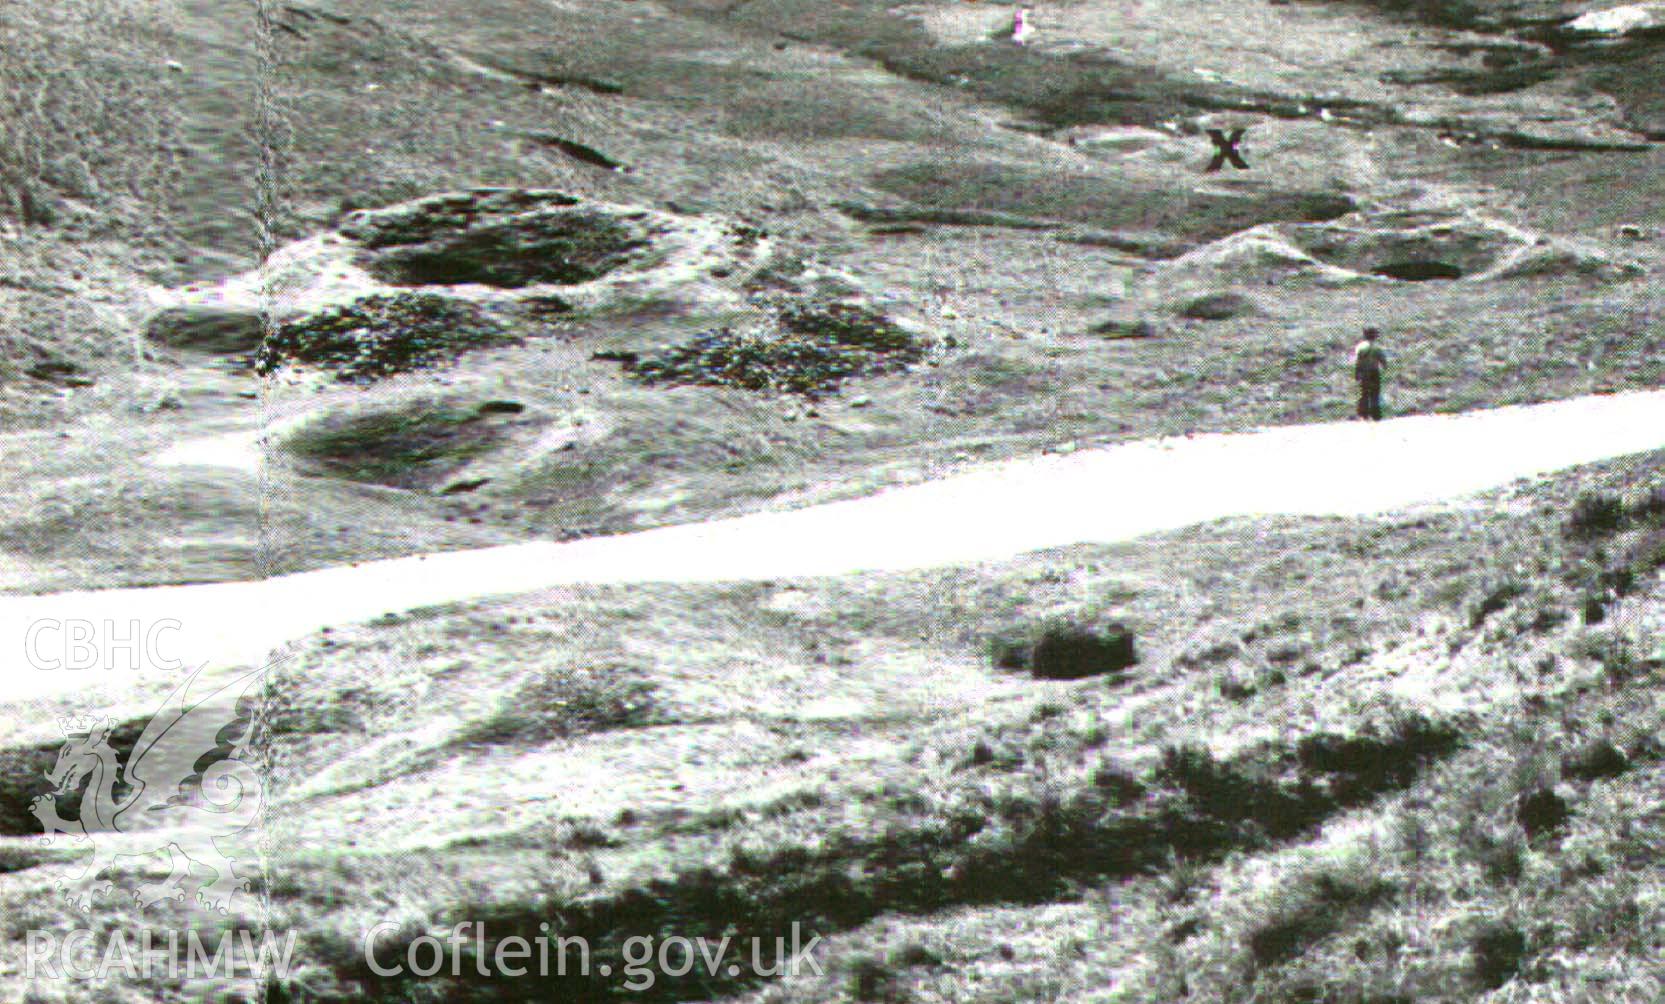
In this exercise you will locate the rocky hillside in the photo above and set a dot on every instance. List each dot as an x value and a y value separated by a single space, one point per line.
625 227
290 285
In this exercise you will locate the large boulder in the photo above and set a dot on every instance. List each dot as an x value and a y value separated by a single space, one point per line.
1624 20
204 328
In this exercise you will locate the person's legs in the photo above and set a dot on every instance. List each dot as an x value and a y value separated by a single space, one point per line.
1364 399
1373 399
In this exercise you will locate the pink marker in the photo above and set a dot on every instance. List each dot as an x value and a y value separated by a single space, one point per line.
1021 28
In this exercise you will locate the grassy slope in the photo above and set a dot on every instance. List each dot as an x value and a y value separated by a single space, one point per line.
387 101
769 137
687 759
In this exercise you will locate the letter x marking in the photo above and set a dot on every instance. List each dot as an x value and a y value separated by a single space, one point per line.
1225 148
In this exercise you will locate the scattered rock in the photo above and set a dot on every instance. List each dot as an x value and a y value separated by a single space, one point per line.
506 238
217 330
379 336
810 350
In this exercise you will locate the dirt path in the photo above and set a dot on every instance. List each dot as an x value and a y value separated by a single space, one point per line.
1105 495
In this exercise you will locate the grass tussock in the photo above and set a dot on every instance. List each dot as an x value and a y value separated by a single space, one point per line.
89 132
1065 649
504 239
1311 907
564 701
1024 840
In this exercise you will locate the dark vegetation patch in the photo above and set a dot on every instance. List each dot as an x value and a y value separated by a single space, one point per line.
1217 307
893 219
60 371
23 771
1104 203
1418 271
1496 600
810 351
1362 764
410 447
922 861
1596 514
17 859
1630 76
302 711
1503 68
577 151
1541 813
1282 791
554 78
378 336
1595 760
1065 650
1120 329
565 701
1613 546
218 330
1063 91
1499 948
1459 14
1317 906
508 239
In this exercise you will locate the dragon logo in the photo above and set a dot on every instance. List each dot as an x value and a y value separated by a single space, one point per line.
181 786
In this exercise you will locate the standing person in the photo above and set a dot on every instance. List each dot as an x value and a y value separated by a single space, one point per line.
1369 363
1022 29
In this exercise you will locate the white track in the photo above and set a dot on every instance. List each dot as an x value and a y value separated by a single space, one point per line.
1102 495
